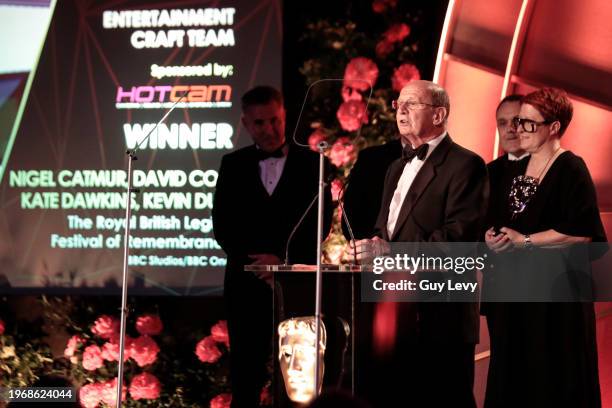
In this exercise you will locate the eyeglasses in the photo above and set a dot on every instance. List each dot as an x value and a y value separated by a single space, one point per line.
410 105
528 125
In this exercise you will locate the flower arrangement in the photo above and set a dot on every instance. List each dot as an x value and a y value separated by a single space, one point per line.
94 357
141 355
77 340
374 61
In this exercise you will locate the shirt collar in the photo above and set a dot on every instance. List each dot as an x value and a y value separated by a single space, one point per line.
433 143
513 157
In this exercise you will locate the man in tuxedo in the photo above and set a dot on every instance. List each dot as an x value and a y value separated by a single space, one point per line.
503 169
262 192
434 193
501 173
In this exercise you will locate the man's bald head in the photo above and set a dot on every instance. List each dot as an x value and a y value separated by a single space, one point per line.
422 111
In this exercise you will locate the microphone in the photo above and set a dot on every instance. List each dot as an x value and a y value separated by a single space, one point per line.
144 139
126 250
301 220
346 221
294 137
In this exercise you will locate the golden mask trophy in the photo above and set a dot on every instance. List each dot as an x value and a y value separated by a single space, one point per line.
298 356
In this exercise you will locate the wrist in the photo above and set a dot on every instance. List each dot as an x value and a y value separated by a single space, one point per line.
527 243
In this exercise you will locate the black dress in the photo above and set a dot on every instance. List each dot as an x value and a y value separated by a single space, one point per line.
501 172
545 354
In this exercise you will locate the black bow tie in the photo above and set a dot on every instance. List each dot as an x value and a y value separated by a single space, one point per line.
263 155
409 153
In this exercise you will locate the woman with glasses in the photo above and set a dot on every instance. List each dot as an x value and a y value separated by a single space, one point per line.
543 353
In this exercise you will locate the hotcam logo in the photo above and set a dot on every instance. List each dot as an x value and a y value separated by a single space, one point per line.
164 96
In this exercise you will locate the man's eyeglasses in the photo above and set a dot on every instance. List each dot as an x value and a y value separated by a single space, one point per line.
409 105
528 125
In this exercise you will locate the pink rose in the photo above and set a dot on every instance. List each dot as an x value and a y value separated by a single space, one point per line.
342 152
360 73
404 74
90 395
207 350
315 138
336 187
1 327
110 350
149 324
383 48
221 401
105 327
108 392
397 33
72 345
144 351
219 332
380 6
352 115
350 94
145 386
92 358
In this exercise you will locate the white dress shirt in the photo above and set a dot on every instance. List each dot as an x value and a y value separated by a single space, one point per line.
403 185
513 157
270 172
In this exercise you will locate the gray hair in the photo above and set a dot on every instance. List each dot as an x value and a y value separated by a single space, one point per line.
439 97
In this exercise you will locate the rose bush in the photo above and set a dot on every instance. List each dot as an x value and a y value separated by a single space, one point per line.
404 74
105 327
361 73
315 138
149 325
343 152
352 115
221 401
207 350
143 350
145 386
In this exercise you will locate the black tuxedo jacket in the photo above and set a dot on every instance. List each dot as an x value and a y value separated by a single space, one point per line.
247 220
445 203
365 187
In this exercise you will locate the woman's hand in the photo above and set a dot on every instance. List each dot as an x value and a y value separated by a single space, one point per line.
516 239
497 242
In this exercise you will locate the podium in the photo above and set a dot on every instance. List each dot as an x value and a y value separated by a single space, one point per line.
294 296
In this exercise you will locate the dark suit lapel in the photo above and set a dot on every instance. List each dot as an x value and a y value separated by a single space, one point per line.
421 181
395 172
253 173
283 181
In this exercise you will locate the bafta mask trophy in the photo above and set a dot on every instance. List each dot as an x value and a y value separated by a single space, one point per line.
297 354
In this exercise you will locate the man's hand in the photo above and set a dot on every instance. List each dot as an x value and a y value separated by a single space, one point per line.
265 259
368 249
